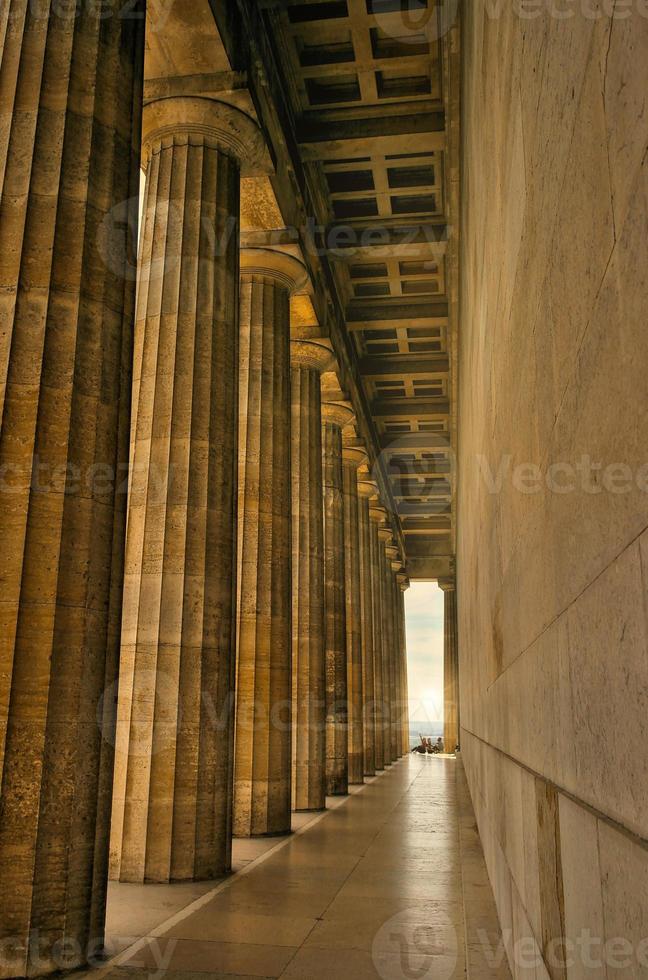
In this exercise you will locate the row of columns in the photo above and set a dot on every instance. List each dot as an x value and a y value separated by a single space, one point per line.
227 636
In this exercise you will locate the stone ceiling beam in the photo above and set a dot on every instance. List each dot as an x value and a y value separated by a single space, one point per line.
394 316
410 407
408 442
344 138
398 366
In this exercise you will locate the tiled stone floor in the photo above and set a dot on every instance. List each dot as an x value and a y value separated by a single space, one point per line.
390 883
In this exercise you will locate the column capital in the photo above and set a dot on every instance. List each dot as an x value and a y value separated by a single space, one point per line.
308 354
392 551
367 489
338 413
403 580
217 124
354 455
385 535
377 513
447 584
271 263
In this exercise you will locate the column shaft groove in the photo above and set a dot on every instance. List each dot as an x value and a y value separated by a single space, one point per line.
378 638
173 793
262 785
337 766
309 664
353 621
70 101
366 619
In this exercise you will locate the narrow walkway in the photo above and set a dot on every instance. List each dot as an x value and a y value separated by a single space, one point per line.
389 884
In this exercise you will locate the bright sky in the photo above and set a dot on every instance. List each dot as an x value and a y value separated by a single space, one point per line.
424 619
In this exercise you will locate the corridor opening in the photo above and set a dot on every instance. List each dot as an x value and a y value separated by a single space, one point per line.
424 616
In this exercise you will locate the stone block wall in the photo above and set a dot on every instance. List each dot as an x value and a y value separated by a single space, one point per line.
553 476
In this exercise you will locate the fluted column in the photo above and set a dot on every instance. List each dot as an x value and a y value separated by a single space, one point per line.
262 774
450 666
365 491
308 360
352 458
397 701
173 793
384 537
391 694
403 586
70 105
334 417
376 516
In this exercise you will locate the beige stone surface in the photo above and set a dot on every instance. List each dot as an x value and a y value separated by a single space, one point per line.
70 101
387 665
308 648
352 458
403 585
365 492
450 666
173 793
262 763
332 900
551 582
375 517
334 417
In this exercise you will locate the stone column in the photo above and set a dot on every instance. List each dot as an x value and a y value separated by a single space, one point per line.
385 537
450 666
70 106
173 792
352 458
365 491
262 774
393 651
397 713
376 515
388 651
334 417
403 586
308 360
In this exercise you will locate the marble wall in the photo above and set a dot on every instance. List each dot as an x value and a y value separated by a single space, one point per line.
553 476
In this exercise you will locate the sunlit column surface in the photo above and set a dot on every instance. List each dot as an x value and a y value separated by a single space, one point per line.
173 793
397 654
70 103
403 585
262 775
366 490
389 653
450 666
308 360
334 417
352 458
376 517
